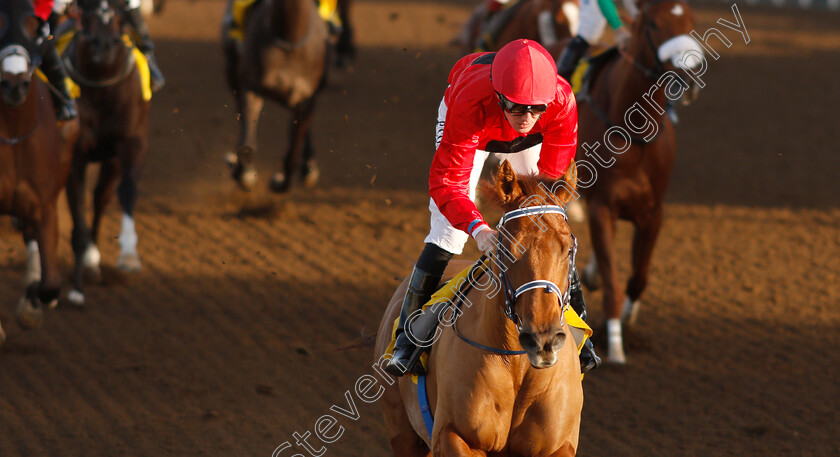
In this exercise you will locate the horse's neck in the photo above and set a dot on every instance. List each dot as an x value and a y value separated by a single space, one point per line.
19 120
289 19
101 72
494 326
632 82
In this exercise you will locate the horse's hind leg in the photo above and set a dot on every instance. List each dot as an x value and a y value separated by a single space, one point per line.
309 171
602 230
298 141
644 239
242 164
30 312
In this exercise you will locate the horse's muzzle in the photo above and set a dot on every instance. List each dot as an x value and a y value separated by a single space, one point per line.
542 347
14 90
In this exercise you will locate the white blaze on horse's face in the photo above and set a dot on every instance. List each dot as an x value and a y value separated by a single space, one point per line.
105 13
677 10
676 48
15 60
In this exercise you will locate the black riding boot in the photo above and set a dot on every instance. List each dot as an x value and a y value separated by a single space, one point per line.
570 57
588 358
145 45
65 106
422 284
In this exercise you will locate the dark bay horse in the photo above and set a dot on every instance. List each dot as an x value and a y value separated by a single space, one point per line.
114 120
626 144
283 56
486 403
35 155
544 21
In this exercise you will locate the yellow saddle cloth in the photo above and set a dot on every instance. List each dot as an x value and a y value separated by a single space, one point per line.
327 9
580 330
63 41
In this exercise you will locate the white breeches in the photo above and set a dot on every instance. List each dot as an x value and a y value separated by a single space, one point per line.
592 21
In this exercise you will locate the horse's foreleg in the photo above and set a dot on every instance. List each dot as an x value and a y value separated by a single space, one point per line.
85 252
644 239
30 311
450 444
242 165
130 162
33 256
298 139
602 230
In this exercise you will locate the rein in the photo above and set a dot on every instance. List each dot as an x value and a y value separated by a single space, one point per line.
99 83
15 140
511 294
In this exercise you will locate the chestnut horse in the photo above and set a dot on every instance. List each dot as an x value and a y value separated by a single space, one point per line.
283 57
114 119
35 155
627 178
544 21
486 401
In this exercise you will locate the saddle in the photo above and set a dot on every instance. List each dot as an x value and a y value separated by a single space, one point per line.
589 68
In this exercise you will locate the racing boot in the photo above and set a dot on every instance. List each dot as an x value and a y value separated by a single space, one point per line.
588 358
421 286
65 106
145 45
570 57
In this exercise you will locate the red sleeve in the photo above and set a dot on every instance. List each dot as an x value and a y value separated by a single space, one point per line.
560 136
43 8
449 179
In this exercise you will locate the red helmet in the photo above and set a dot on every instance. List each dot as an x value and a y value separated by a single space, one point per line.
525 73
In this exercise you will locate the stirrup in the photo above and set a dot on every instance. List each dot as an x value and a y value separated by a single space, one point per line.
589 360
66 111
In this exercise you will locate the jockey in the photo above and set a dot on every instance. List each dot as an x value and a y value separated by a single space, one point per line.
65 106
594 15
504 102
134 18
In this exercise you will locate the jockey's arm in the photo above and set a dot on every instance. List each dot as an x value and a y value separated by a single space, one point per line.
610 13
560 137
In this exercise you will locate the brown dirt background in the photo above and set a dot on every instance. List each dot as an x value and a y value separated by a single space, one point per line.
226 343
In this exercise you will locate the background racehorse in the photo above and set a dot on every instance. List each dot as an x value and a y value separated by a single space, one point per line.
284 57
633 171
35 157
544 21
484 402
114 121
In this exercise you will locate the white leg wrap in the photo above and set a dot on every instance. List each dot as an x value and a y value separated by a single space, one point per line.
629 311
91 257
615 352
33 263
128 237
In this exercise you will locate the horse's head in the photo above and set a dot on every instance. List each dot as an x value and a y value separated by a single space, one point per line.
535 251
18 49
661 33
100 38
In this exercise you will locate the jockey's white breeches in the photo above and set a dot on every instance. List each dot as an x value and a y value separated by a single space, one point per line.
442 233
592 21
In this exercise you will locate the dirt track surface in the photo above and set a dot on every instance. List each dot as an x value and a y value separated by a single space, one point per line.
225 344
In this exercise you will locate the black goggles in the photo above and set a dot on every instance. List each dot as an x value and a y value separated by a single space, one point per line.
518 110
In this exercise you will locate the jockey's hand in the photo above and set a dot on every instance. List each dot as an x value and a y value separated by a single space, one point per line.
486 240
622 37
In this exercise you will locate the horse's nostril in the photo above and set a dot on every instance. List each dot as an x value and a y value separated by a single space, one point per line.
527 341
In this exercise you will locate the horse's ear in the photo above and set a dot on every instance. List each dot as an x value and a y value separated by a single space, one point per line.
507 186
565 188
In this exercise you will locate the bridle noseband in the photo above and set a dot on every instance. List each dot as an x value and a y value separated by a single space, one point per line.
511 293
